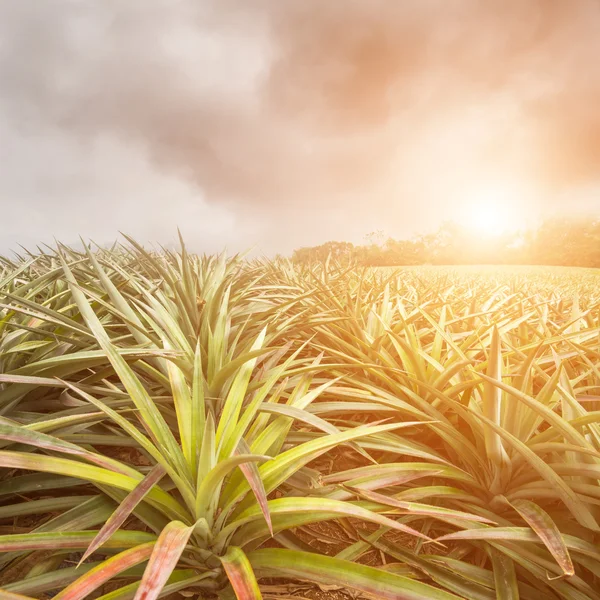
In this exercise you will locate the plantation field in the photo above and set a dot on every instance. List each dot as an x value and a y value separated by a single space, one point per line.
212 427
576 275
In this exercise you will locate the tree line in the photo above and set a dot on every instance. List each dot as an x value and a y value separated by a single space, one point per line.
573 242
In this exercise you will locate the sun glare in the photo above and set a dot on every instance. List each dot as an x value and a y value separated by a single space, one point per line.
491 213
488 219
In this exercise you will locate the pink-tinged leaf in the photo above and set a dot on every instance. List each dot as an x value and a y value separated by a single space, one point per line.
369 581
252 475
383 481
293 511
76 540
105 571
507 534
168 549
373 475
541 522
299 415
124 509
92 473
180 580
4 595
414 508
240 574
29 380
22 435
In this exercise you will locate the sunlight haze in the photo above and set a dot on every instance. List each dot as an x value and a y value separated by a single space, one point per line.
274 125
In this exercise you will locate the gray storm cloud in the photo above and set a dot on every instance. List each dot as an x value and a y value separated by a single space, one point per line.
293 121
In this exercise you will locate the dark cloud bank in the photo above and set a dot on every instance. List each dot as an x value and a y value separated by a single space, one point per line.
284 123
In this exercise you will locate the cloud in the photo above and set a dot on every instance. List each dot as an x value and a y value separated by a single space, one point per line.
293 121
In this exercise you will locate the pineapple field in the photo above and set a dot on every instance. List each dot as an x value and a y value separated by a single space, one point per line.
174 425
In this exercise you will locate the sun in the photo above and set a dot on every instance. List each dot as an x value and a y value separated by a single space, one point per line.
490 212
488 219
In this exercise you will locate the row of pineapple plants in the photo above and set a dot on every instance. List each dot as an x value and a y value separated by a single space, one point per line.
172 423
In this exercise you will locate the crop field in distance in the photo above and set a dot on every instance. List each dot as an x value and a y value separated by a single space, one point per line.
210 427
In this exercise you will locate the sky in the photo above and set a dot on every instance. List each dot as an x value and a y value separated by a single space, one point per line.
273 125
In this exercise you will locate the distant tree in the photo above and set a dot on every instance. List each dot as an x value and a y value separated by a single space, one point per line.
375 238
574 242
342 252
403 252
